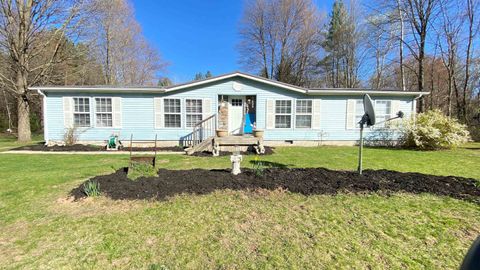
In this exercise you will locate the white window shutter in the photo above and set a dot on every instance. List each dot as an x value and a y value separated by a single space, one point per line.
351 113
158 109
206 108
270 111
68 112
395 108
316 113
117 112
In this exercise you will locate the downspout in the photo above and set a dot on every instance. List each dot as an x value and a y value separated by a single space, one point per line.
44 116
414 105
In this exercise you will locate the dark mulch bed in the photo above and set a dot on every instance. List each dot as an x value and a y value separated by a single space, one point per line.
91 148
250 151
304 181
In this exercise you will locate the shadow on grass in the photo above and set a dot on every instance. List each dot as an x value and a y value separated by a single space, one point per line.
309 181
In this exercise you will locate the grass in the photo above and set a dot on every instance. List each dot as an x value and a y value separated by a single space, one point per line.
41 228
8 141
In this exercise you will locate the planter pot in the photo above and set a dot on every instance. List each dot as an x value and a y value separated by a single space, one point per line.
258 133
222 133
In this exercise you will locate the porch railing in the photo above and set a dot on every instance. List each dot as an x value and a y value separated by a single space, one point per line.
204 129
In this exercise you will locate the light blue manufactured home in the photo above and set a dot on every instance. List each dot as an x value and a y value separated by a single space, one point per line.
235 102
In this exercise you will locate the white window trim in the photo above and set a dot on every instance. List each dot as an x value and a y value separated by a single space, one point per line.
385 124
182 117
295 113
74 112
95 112
187 113
292 118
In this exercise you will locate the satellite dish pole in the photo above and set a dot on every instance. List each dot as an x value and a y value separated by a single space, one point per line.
368 119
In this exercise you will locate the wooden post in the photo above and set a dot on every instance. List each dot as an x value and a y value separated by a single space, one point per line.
131 141
155 156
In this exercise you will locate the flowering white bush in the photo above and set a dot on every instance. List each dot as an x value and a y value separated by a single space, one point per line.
433 130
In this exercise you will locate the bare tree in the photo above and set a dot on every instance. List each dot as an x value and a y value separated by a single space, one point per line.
400 45
473 27
382 35
125 54
280 39
458 29
23 28
418 14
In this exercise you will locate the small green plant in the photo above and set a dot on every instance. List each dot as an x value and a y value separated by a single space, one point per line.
139 169
91 188
258 167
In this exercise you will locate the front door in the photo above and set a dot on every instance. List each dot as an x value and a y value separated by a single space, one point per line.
235 114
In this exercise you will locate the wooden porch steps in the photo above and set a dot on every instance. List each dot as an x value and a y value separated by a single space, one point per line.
205 145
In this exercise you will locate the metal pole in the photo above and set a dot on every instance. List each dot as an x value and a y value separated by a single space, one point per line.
360 152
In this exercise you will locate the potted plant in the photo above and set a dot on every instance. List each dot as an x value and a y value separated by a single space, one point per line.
222 132
258 133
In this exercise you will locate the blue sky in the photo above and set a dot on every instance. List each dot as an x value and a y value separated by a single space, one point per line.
195 36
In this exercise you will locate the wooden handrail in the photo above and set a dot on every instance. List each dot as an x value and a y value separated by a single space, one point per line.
205 120
204 129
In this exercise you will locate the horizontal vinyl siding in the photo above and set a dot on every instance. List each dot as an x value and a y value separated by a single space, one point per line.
138 113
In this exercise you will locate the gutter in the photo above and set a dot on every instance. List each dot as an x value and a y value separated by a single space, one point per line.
97 89
44 116
363 92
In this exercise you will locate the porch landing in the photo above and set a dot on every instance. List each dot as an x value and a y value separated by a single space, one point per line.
216 144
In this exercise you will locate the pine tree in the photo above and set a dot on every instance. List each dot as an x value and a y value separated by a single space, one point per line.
339 46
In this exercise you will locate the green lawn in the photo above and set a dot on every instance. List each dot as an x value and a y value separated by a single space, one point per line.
40 228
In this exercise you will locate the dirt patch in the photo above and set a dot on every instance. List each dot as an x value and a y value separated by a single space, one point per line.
92 148
250 151
304 181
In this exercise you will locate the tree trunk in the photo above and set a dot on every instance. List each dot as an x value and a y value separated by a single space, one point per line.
421 81
24 133
23 108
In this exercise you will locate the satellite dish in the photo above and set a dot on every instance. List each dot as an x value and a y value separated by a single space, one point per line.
369 110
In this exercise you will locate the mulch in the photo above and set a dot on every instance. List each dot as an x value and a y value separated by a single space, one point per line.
306 181
250 151
91 148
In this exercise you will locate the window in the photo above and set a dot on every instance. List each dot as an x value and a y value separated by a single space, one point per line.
81 112
103 112
383 111
303 116
283 113
172 112
193 108
236 102
359 112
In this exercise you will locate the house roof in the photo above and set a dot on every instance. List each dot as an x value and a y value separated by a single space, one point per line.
286 86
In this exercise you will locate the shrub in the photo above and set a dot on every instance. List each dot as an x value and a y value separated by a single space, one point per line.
91 188
433 130
70 136
139 169
258 167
